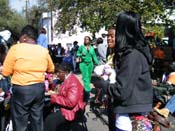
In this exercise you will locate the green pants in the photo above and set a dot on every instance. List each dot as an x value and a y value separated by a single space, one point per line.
86 71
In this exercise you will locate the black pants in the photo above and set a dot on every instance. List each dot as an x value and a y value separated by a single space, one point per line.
27 104
111 116
2 117
53 121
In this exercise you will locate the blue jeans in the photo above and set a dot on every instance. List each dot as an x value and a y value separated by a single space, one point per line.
74 63
5 84
171 104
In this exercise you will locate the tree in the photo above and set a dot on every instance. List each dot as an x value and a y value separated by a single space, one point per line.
35 15
92 15
10 19
36 11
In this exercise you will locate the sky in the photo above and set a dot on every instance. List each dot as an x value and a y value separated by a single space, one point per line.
19 5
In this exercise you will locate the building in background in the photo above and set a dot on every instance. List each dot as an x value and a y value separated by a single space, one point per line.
77 34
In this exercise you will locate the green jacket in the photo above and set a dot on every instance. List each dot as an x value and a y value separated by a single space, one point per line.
87 56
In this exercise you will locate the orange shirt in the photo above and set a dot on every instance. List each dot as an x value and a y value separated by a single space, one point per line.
27 63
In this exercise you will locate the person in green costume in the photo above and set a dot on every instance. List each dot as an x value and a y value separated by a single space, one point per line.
88 58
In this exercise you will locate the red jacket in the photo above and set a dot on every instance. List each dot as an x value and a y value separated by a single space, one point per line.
70 97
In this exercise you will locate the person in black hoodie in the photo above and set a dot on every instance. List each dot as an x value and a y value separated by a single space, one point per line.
130 85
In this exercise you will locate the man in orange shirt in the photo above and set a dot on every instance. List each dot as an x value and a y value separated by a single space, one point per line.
27 63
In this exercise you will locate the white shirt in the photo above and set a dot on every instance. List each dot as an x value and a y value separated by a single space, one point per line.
123 122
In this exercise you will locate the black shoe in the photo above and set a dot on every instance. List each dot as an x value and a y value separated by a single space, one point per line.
86 96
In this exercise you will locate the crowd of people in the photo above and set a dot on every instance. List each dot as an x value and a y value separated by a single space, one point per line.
31 68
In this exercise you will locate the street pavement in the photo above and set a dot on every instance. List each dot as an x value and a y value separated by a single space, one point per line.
96 119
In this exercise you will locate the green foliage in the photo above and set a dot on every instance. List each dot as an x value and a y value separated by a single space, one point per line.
36 11
92 15
9 18
35 15
158 29
4 6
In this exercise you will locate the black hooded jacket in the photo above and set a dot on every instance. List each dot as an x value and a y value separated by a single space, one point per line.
132 92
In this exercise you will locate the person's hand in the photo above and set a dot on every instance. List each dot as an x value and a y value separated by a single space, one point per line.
50 92
83 54
154 82
53 98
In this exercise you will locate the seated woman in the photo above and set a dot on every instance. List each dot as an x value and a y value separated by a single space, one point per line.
170 106
69 99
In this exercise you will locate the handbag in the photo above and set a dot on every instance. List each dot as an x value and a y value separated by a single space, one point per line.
154 116
78 58
141 123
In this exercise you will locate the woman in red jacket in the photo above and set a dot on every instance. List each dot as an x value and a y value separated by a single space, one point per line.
70 98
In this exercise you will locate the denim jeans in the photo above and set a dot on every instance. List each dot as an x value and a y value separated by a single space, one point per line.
171 104
5 84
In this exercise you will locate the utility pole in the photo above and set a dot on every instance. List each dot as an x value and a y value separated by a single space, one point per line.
26 10
51 18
